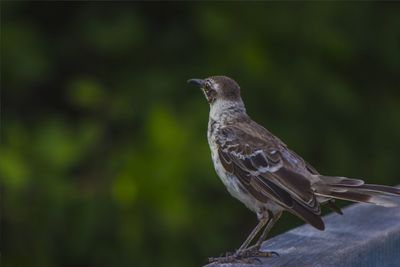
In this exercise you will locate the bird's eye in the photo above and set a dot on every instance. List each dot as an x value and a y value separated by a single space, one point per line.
207 85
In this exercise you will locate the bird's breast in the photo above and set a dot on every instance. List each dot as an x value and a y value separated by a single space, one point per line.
231 182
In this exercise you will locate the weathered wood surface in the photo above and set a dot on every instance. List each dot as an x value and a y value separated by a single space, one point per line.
365 236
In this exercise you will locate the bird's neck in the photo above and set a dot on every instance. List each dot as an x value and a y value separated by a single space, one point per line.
224 111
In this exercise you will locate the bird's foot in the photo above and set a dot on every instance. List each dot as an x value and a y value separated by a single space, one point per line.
231 259
251 252
249 255
224 258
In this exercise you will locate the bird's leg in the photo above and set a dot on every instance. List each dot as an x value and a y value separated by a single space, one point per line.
244 253
254 233
231 257
254 250
271 223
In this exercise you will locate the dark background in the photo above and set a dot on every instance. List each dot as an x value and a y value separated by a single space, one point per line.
104 159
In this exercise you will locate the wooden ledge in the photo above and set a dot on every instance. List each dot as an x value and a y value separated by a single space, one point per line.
365 236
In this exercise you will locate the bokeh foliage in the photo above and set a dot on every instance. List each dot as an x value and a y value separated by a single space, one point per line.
104 159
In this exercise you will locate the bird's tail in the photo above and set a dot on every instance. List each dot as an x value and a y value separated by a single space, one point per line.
355 190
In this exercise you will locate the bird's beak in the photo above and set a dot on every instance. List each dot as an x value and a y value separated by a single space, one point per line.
197 82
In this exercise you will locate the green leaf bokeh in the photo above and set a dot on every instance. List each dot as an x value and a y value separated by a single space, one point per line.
104 159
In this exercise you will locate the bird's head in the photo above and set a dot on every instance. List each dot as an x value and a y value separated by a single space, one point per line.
218 88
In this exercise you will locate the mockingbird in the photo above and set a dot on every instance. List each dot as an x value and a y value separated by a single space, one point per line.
262 172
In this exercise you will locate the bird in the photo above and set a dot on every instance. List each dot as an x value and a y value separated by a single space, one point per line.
261 171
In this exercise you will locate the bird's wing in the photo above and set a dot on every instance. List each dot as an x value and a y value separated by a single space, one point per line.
268 170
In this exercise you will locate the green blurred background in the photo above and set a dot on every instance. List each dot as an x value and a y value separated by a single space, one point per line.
104 159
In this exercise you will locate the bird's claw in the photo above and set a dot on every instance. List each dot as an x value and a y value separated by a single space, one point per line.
257 253
244 256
